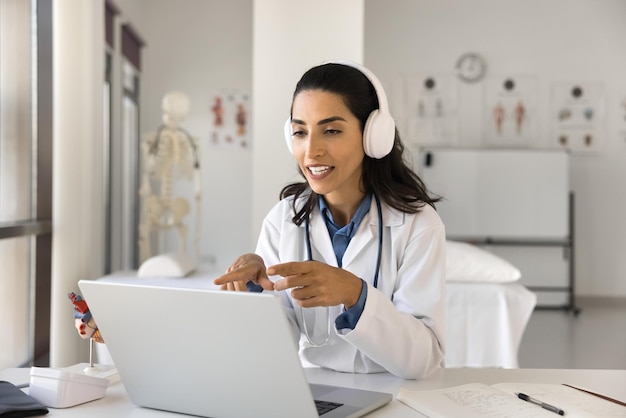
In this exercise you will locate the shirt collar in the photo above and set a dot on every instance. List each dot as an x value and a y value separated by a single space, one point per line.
361 211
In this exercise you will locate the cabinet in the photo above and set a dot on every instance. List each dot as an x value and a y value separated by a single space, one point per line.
516 203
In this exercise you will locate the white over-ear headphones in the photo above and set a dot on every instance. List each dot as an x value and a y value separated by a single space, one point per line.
380 129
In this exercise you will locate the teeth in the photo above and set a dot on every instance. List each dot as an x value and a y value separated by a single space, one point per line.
319 170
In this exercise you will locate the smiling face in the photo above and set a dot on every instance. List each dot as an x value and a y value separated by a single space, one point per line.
328 146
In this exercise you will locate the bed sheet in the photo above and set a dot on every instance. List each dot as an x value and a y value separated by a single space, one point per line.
485 323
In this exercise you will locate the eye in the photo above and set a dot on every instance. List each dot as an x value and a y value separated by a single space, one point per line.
330 131
298 133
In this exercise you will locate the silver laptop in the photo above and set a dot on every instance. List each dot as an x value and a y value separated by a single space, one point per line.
212 353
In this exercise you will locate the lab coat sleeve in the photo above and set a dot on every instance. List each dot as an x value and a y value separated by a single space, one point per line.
405 334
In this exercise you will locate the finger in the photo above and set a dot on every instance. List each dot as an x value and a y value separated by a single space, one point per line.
224 279
240 286
290 283
266 283
236 271
243 273
313 302
303 293
289 269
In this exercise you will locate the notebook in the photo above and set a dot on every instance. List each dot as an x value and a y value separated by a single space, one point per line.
211 353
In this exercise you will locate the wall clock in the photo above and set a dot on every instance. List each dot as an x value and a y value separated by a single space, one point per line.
471 67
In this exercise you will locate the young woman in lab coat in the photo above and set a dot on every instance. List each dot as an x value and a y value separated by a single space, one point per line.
356 252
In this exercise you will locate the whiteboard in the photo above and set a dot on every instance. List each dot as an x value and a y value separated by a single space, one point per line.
499 194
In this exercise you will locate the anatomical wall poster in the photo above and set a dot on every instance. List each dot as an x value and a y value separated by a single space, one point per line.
577 116
510 115
431 106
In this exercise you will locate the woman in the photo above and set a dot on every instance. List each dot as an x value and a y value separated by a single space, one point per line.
356 252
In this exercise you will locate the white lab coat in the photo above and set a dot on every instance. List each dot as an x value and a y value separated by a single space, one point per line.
402 327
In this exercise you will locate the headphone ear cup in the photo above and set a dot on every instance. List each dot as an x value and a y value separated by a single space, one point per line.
378 134
288 135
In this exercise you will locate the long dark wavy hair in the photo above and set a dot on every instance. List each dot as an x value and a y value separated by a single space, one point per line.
389 178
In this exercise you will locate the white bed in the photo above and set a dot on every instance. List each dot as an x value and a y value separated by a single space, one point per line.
487 310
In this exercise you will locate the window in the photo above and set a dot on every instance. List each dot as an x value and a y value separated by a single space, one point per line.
25 180
110 11
124 197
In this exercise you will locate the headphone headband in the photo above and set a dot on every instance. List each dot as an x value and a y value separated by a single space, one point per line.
383 105
379 130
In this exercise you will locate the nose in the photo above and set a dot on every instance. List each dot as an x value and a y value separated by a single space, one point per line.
314 145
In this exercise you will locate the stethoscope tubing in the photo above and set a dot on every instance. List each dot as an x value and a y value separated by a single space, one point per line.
310 258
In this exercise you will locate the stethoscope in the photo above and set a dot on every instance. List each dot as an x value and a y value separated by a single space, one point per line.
310 342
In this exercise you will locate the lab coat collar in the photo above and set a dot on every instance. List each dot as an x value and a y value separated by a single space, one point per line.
322 247
368 232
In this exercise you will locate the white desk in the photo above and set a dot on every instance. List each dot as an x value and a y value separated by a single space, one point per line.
609 382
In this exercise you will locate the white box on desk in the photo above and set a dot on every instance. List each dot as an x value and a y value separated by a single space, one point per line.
57 388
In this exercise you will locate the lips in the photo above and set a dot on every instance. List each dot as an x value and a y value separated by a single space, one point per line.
319 170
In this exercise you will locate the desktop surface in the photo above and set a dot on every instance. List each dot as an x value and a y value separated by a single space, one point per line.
608 382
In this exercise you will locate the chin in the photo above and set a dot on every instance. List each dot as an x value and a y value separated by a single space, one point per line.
318 190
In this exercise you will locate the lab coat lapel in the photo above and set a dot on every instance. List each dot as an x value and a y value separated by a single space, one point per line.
321 246
365 235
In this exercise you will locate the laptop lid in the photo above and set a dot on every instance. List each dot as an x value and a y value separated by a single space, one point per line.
210 353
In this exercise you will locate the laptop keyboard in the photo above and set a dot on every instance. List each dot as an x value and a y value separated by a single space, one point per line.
325 406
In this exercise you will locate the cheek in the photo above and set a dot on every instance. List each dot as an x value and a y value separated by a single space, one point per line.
353 155
298 151
354 162
297 147
298 155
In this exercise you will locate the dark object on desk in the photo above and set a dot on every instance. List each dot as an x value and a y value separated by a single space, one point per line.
606 398
542 404
15 403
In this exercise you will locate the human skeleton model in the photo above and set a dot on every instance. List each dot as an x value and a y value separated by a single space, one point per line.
169 154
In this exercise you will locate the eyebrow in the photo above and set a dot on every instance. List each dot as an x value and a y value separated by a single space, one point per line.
321 122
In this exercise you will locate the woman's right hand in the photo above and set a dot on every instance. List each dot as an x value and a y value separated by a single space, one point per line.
248 267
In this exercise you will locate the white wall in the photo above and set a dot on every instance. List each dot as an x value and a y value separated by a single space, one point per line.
286 44
559 40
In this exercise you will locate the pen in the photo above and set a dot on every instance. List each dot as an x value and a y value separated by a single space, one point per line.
606 398
544 405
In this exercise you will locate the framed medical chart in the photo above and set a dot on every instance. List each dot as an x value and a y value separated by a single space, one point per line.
577 116
431 109
510 114
229 116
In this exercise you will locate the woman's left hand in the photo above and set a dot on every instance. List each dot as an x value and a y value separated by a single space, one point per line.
317 284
